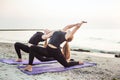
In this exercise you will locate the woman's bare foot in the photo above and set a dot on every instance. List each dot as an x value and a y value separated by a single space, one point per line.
19 60
79 24
81 63
84 21
28 68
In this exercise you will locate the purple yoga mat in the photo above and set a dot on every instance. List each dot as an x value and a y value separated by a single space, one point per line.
53 68
12 61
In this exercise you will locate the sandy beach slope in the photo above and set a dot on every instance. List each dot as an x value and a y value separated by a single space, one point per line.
108 67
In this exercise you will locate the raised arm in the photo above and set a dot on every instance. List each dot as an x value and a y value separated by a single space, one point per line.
68 27
76 27
48 35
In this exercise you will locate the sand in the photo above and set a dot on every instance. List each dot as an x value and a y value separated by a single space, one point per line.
108 67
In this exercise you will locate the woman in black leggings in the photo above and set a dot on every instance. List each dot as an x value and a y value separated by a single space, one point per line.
34 40
53 47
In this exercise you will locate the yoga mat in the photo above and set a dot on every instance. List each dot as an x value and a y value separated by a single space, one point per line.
13 62
52 68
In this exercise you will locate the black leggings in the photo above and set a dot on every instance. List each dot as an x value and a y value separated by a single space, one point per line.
37 52
20 46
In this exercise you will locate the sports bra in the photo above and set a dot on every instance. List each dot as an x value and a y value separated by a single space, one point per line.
57 38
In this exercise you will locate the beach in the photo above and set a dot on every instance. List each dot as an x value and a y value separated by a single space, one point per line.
107 68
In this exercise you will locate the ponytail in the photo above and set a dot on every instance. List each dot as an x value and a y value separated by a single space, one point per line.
66 51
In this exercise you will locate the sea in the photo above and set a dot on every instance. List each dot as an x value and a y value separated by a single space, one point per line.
106 40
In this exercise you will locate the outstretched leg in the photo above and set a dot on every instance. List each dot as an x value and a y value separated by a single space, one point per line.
39 53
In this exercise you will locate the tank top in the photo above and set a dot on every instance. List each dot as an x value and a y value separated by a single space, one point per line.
36 38
57 38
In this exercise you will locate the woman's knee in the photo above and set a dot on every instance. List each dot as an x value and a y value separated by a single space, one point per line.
16 44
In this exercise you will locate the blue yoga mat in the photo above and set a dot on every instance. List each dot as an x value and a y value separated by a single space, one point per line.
13 62
52 68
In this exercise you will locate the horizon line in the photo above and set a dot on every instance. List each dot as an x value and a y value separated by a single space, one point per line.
21 29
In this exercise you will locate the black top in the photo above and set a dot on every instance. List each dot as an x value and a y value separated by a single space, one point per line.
57 38
36 38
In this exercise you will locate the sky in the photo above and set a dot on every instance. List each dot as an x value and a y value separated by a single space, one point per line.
59 13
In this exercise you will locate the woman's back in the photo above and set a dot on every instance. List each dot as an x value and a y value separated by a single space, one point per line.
57 38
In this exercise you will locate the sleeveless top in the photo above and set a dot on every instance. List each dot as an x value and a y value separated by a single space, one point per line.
36 38
57 38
